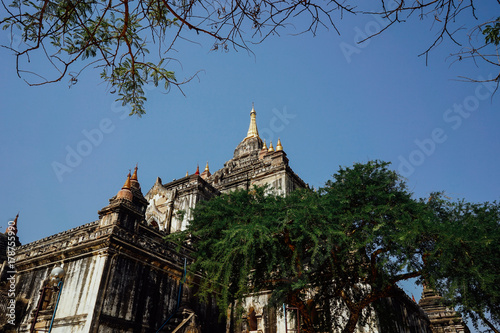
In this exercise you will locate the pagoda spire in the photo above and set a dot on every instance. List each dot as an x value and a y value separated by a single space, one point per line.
127 186
197 170
134 183
253 132
125 192
134 176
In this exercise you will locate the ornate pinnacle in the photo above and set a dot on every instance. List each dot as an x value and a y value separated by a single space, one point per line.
271 149
252 129
127 183
279 147
134 176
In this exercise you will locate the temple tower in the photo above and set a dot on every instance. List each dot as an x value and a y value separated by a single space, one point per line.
443 319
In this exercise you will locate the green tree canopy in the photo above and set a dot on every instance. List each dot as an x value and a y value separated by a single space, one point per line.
466 261
345 246
117 36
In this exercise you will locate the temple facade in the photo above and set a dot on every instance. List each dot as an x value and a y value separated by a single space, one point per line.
117 274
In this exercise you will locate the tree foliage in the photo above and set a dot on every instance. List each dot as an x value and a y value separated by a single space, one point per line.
117 36
492 32
339 249
465 266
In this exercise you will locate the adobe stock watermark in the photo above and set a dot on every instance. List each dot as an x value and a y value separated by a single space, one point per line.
277 124
10 311
15 39
92 139
361 37
453 117
75 154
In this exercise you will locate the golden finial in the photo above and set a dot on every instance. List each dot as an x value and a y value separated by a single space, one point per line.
252 129
133 180
127 185
206 173
134 176
264 146
271 149
187 173
279 147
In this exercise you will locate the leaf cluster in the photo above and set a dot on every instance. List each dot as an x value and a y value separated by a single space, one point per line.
492 33
116 35
111 35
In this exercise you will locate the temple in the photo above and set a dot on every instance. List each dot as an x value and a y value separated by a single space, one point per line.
117 274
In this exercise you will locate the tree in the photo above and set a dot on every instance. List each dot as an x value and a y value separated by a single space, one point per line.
117 36
345 246
466 244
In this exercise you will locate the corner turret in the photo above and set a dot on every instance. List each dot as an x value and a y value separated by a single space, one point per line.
128 207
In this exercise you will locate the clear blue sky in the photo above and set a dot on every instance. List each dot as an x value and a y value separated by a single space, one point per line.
329 109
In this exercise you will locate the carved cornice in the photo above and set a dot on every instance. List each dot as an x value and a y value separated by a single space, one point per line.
145 243
76 242
148 244
183 186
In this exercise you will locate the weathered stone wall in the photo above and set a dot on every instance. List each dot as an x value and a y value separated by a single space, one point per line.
138 296
402 315
78 295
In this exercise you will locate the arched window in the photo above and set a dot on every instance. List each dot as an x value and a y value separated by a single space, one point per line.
252 319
